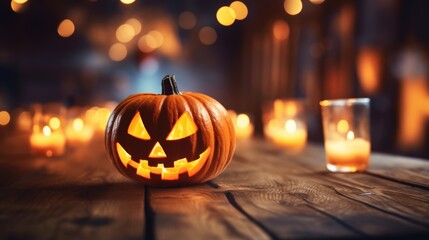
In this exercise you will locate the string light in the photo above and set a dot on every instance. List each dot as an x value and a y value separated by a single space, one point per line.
207 35
292 7
240 10
225 16
66 28
118 52
187 20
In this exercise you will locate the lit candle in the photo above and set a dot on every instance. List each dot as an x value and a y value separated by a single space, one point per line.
350 153
78 132
243 126
291 135
47 142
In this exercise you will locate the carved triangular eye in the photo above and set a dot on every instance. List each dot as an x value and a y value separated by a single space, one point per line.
137 128
184 127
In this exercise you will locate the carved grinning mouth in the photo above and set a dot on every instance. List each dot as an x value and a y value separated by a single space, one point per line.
167 173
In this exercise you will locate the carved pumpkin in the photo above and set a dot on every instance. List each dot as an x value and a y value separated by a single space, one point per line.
170 139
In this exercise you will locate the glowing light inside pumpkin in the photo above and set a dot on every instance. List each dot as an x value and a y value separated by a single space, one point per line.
167 173
54 123
137 128
184 127
342 126
157 151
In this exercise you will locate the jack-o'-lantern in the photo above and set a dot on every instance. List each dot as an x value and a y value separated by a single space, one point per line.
170 139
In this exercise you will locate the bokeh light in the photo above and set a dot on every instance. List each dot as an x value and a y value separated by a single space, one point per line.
20 1
316 1
128 1
118 52
240 10
187 20
293 7
147 43
243 120
54 123
207 35
66 28
16 7
125 33
281 30
135 23
225 16
159 38
4 118
78 124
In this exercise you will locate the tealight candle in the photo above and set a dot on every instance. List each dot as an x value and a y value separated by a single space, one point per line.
292 136
242 124
78 132
47 142
346 132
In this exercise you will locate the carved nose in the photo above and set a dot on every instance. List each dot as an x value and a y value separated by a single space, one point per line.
157 151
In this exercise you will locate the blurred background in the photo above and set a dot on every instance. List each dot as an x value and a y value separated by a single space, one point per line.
73 61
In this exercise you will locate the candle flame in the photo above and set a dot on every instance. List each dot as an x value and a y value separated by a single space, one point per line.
290 126
342 126
243 120
350 135
47 131
78 124
54 123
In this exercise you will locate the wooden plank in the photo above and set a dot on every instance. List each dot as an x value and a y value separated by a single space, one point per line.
79 195
323 192
199 212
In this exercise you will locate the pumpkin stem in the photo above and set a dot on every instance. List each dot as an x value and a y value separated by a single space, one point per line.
169 85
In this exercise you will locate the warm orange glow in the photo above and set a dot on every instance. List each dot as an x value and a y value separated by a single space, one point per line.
157 151
207 35
184 127
125 33
54 123
147 43
414 112
167 173
66 28
342 126
316 1
240 10
350 135
15 6
290 126
137 128
225 16
369 63
135 24
4 118
20 1
187 20
281 30
47 131
103 116
159 38
118 52
292 7
243 120
128 1
291 108
78 125
24 121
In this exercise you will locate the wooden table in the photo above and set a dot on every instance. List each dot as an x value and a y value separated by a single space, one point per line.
266 193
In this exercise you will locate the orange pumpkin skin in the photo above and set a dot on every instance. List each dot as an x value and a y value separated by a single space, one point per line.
207 150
